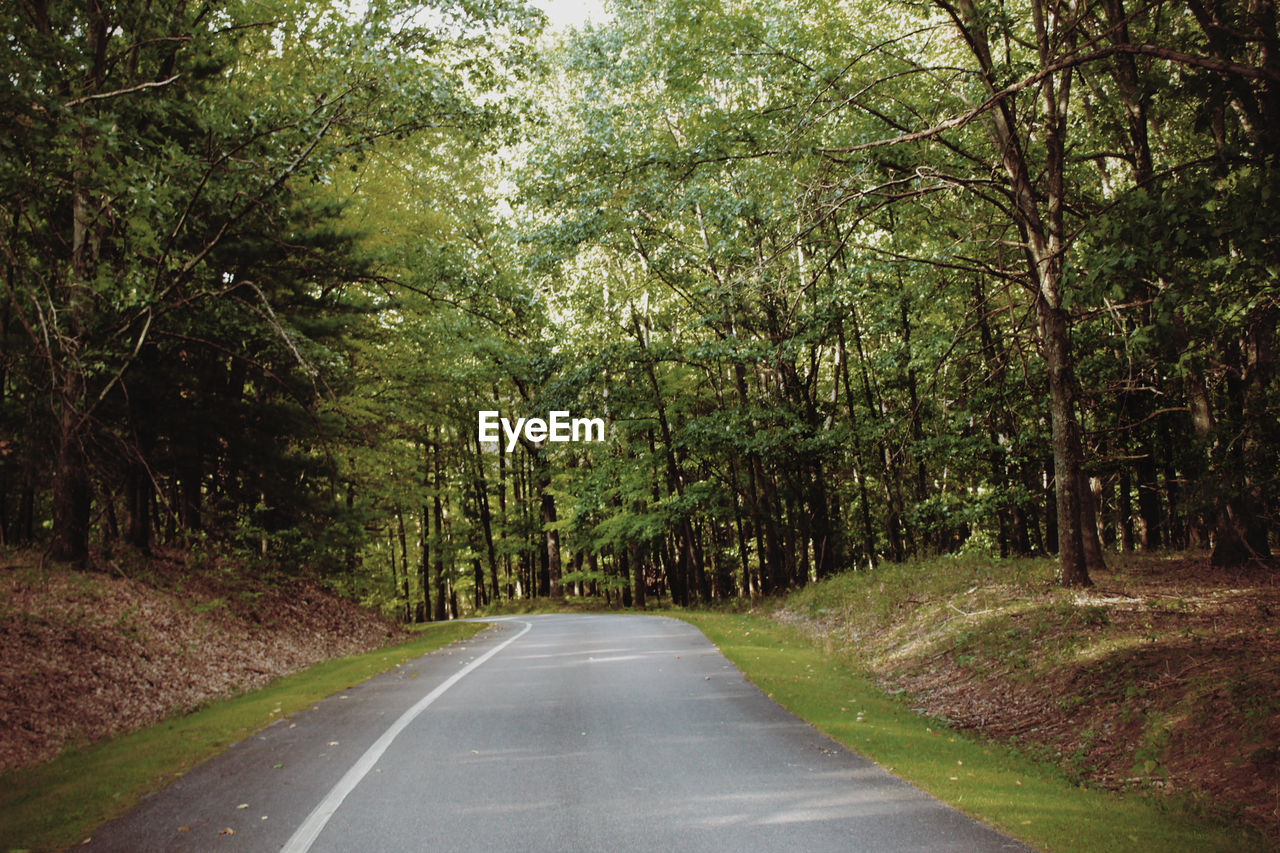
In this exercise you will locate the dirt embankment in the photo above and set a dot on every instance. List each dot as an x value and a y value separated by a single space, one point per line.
1165 676
88 655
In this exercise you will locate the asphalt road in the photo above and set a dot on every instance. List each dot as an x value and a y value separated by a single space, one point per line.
547 733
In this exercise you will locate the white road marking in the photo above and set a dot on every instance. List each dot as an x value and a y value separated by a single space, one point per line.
306 835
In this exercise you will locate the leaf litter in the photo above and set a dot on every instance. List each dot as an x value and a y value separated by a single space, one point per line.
1165 677
88 655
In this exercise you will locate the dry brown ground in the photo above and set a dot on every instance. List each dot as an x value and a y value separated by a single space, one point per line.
1165 676
88 655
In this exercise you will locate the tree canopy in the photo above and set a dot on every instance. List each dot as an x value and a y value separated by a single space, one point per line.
848 282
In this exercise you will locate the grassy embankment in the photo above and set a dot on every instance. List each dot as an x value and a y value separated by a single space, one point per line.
1083 676
58 804
1010 791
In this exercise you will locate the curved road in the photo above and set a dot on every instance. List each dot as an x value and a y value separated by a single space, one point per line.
548 733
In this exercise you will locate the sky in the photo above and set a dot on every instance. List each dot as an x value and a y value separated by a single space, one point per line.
571 13
562 13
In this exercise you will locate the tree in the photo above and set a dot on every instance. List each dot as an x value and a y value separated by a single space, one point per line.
167 190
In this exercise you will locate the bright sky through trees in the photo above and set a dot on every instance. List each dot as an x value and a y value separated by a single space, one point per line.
571 13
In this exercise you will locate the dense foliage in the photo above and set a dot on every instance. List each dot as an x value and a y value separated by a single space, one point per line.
848 281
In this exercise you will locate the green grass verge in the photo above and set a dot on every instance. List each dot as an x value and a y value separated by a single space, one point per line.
1008 790
56 805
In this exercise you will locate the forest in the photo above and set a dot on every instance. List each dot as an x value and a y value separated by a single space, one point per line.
848 282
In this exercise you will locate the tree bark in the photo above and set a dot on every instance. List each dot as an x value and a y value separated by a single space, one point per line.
486 519
438 614
1044 238
424 580
552 541
404 563
636 565
72 497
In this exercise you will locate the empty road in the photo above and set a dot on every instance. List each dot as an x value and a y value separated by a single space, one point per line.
548 733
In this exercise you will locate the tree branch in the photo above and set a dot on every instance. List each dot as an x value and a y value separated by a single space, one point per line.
1217 65
102 96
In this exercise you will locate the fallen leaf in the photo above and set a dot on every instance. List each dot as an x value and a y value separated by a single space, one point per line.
182 662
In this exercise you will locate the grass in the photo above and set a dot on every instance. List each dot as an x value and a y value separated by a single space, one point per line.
959 606
1026 799
56 805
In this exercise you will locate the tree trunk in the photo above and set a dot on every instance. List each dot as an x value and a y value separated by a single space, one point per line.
1040 224
1050 510
190 491
486 519
72 496
424 567
868 532
438 614
477 579
1148 499
888 473
395 574
404 563
773 572
72 490
137 501
637 579
828 544
1124 511
552 542
503 524
741 526
1068 478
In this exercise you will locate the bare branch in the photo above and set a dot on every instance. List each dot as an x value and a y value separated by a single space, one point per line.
101 96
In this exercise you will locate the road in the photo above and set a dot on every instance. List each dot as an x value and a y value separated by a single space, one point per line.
547 733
